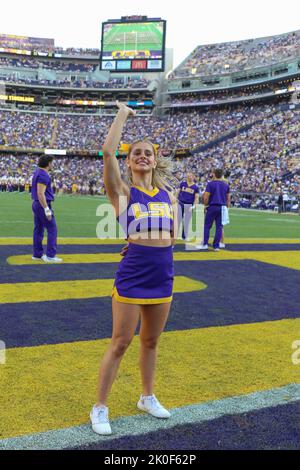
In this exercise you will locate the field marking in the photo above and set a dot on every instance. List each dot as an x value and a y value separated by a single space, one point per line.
65 241
286 221
279 219
142 424
267 211
31 222
78 289
243 215
288 259
113 241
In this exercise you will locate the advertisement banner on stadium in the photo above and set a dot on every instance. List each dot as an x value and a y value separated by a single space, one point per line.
124 64
15 51
43 54
81 102
154 64
139 64
21 99
55 152
25 42
108 65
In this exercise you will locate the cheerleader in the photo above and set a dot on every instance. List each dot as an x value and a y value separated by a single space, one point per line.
146 209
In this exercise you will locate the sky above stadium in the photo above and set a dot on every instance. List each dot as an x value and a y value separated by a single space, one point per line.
189 23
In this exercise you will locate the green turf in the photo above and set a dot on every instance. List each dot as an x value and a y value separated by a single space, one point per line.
76 217
114 38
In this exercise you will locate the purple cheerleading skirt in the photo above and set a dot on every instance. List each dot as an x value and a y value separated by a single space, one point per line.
145 275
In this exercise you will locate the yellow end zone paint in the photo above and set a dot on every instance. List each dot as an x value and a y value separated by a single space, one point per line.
78 289
83 258
54 386
63 241
288 259
97 241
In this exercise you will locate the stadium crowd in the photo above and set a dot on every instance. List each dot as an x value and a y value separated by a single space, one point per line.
67 131
196 98
76 83
46 47
239 55
47 64
84 175
264 159
261 156
77 51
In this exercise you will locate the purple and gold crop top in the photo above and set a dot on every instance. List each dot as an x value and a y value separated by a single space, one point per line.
147 211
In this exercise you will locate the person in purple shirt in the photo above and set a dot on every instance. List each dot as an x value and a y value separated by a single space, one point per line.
42 198
216 195
188 197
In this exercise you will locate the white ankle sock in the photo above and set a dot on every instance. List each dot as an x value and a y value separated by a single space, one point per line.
100 407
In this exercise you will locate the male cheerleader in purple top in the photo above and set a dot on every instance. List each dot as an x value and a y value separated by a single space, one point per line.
216 195
42 196
146 209
188 197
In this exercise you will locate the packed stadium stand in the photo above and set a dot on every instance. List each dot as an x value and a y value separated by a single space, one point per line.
233 105
239 55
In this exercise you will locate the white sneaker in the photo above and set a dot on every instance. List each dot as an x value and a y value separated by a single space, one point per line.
152 406
216 249
99 420
35 258
202 247
222 245
52 260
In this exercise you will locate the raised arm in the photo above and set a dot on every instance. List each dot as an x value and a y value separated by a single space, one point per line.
113 182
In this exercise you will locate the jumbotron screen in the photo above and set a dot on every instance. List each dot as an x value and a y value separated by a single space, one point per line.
135 46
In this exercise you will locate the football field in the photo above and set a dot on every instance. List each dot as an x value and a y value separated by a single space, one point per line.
227 368
139 37
76 216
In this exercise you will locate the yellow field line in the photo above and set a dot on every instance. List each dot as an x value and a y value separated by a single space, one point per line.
78 289
288 259
97 241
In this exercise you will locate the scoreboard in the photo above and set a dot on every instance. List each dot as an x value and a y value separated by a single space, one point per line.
131 45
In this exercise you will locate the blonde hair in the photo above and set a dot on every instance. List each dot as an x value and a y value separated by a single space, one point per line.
162 174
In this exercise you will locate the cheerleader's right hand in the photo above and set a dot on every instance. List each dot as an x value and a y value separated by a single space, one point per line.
123 107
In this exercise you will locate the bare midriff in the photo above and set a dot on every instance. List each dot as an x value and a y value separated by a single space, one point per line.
153 238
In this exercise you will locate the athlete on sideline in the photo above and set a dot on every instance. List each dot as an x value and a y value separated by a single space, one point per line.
216 195
43 196
188 198
146 209
225 179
